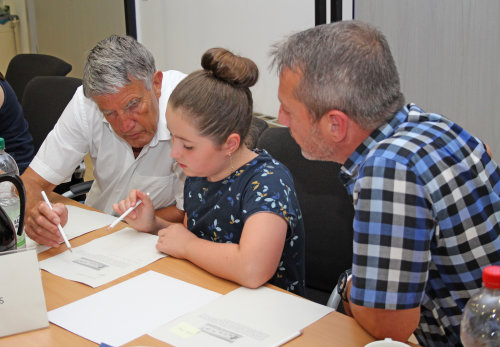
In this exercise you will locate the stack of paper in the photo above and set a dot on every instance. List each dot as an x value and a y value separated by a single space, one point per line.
130 309
243 317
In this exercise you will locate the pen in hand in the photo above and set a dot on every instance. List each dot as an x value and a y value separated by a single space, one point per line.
125 214
59 224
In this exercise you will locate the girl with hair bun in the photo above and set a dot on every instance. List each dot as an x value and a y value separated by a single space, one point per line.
243 220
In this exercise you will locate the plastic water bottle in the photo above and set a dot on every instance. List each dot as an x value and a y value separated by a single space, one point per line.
9 199
480 325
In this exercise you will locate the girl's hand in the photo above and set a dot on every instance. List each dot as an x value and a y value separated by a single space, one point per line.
143 217
174 240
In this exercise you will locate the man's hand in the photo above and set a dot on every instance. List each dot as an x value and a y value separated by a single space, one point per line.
41 223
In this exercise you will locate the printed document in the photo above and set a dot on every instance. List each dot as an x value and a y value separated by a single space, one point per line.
106 258
243 317
80 221
130 309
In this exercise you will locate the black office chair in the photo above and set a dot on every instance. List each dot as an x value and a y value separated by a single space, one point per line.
326 209
23 67
257 128
44 100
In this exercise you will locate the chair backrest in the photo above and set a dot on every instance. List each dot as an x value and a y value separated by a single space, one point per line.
326 209
23 67
258 126
44 100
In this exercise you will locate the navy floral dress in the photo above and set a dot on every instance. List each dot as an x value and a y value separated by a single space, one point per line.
217 211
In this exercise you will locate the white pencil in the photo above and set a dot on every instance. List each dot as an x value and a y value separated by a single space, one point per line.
125 214
289 338
63 234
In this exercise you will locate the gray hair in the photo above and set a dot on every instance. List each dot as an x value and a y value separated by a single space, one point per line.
346 66
114 62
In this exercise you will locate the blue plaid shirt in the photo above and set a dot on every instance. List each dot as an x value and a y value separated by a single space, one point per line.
427 210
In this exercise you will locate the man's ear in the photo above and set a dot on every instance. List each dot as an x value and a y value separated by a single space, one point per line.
232 143
337 124
157 80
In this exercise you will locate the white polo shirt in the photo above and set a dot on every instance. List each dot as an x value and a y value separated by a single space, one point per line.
82 129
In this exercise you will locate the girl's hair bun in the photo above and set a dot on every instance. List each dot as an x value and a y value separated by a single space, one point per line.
233 69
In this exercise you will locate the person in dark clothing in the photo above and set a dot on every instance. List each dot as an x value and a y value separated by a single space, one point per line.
14 127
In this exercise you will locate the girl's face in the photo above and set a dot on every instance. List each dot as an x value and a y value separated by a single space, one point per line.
198 156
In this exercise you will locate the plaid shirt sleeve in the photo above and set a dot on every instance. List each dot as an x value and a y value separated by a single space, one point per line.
393 227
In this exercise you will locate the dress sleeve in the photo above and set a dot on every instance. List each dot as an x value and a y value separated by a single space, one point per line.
271 190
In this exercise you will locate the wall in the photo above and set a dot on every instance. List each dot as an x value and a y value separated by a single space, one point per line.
18 7
68 29
447 52
16 40
7 42
178 32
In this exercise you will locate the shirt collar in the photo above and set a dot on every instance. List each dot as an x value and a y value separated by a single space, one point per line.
351 166
162 133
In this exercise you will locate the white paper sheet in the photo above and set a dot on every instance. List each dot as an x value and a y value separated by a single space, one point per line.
80 221
130 309
243 317
106 258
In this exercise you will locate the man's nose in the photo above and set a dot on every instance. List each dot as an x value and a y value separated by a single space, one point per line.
282 117
125 122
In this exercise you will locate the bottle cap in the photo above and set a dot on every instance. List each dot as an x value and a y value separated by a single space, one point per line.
2 144
491 276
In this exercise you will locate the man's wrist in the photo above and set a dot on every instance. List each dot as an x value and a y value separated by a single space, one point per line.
345 293
343 284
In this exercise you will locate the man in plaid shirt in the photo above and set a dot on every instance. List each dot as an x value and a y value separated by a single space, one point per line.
426 193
